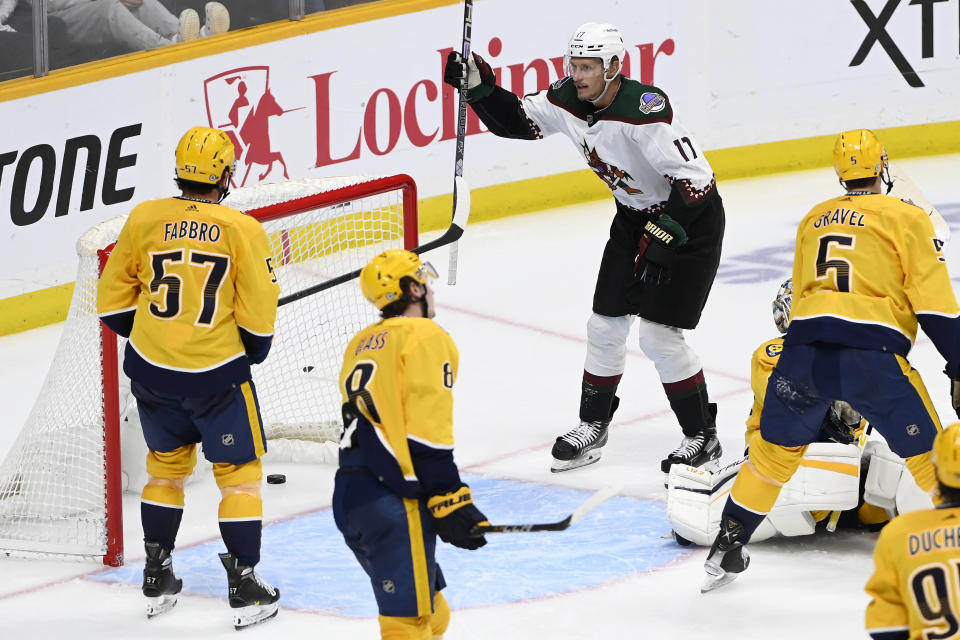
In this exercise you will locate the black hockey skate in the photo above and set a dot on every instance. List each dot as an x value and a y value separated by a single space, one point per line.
580 446
701 450
159 584
728 558
252 598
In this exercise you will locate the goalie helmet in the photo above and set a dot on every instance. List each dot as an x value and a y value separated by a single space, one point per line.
203 154
859 154
781 306
380 279
946 456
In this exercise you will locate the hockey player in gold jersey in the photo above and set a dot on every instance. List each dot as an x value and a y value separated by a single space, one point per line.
867 269
915 585
191 283
398 487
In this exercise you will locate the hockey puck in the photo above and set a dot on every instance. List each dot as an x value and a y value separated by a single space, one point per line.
276 478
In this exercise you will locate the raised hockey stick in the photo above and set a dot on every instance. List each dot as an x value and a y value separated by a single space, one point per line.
592 503
461 213
458 181
906 189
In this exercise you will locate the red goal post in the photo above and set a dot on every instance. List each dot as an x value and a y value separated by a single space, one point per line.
61 483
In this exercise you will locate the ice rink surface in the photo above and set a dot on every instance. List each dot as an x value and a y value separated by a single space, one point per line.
518 315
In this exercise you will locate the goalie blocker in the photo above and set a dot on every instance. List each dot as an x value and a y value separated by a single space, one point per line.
828 480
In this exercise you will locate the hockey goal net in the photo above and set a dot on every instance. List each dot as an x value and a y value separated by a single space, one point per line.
60 486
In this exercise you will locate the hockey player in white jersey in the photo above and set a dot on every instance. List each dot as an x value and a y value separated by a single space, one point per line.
664 247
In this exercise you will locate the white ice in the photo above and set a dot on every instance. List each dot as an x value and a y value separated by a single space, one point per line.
518 315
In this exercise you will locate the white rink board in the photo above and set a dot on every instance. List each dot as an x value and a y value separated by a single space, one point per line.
369 98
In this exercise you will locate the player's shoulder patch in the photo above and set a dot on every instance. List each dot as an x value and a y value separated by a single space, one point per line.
774 349
641 103
555 86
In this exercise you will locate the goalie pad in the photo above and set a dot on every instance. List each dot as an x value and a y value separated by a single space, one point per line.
889 484
828 479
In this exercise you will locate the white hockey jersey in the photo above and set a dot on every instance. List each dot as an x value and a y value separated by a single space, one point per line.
635 145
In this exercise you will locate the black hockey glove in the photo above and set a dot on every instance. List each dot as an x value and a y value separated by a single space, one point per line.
657 251
454 516
954 392
480 77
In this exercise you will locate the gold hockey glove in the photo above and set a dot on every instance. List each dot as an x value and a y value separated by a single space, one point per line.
454 516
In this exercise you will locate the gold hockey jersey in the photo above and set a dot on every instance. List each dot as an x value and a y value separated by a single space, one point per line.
867 267
916 581
761 366
397 387
192 284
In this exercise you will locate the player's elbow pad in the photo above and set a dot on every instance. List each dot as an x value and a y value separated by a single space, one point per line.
257 347
120 323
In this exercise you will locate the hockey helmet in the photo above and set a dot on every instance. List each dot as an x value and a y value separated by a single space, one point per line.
858 154
781 306
380 279
595 40
203 154
946 455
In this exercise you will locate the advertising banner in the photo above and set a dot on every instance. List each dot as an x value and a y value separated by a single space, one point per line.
369 98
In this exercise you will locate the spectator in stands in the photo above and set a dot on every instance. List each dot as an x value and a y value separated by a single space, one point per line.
16 40
135 25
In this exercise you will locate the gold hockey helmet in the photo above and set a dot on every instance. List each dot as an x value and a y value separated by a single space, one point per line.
946 455
203 154
858 154
380 279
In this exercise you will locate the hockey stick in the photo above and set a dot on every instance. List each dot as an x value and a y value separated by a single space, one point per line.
906 189
461 214
458 181
592 503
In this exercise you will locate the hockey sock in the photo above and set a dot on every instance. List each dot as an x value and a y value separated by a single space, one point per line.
690 403
241 516
759 481
397 628
921 468
597 396
161 509
440 619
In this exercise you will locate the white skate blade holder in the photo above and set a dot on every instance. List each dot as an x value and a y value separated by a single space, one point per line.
714 581
160 604
566 465
250 615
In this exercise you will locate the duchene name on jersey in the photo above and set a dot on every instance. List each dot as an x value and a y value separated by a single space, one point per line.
199 231
849 217
935 540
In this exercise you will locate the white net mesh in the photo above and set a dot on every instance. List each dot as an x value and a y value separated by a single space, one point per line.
52 484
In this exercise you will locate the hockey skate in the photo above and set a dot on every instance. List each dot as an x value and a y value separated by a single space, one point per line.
159 584
252 598
580 446
702 450
728 558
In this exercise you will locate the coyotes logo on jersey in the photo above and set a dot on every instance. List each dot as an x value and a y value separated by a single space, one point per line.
614 177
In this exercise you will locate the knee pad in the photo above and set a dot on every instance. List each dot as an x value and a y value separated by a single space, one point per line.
172 465
233 475
397 628
440 619
607 344
672 356
163 494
